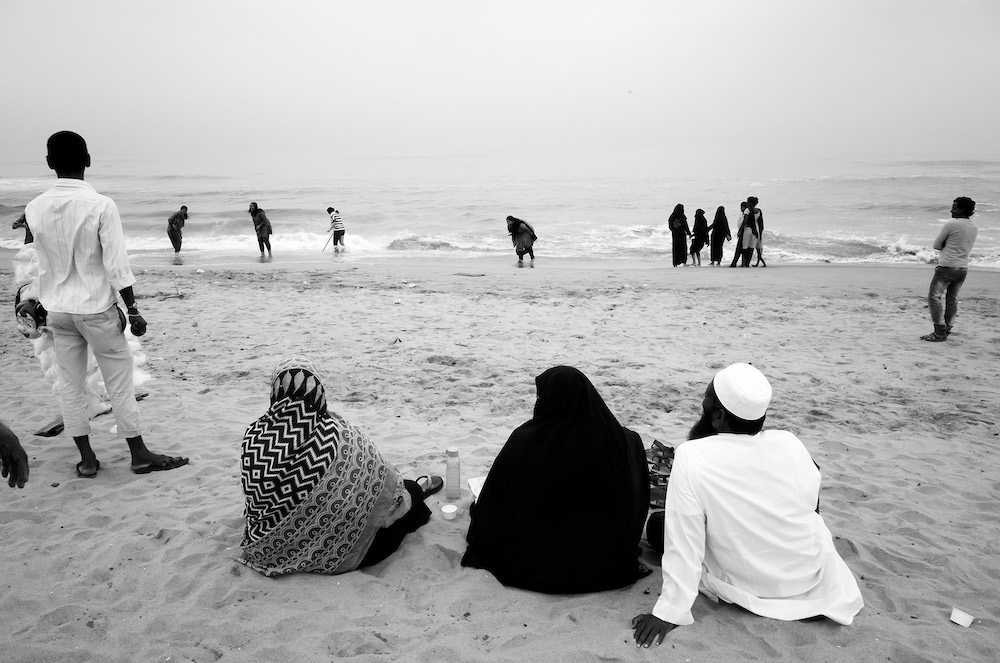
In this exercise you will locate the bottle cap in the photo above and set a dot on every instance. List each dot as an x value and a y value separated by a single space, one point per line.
452 451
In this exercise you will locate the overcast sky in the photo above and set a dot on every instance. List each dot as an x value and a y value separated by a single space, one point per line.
727 78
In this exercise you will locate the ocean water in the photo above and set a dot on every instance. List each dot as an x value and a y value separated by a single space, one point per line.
603 205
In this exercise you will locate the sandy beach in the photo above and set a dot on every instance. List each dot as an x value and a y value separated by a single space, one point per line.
425 355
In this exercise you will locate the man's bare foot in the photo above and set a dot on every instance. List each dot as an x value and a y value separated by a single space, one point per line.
87 469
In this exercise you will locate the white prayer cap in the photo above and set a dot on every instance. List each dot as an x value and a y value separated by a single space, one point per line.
743 391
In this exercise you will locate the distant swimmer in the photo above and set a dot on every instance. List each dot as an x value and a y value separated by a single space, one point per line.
523 237
337 228
262 226
174 225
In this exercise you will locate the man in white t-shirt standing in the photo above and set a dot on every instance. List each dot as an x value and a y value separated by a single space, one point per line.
82 269
742 519
955 244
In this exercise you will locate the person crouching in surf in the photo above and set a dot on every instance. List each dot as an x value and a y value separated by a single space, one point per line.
523 237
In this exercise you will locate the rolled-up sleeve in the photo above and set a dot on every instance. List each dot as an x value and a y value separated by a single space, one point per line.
684 549
115 256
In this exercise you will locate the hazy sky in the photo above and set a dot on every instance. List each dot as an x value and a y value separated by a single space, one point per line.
727 79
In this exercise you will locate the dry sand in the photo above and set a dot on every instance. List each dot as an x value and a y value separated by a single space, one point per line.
425 355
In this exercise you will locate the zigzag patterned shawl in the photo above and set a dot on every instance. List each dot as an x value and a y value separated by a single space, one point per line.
317 490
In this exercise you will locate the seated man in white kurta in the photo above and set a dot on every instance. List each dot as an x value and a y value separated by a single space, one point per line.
741 520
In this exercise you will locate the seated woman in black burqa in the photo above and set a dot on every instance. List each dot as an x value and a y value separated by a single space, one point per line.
563 507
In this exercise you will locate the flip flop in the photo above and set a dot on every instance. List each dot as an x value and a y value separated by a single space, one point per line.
433 484
161 464
51 429
87 476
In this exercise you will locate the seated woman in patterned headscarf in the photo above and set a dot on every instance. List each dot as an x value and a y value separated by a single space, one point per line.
563 506
320 498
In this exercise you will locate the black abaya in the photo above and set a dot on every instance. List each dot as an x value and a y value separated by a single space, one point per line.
720 232
564 505
679 232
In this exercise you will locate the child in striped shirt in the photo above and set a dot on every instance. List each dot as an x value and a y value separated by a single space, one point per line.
337 226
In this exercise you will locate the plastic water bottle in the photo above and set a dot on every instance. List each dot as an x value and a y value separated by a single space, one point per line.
452 476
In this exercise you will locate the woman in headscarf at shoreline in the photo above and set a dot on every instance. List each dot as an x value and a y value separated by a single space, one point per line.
523 237
699 236
719 235
261 226
563 506
320 498
679 232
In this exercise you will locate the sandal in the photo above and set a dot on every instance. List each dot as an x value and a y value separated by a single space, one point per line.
79 472
934 337
161 463
430 484
660 456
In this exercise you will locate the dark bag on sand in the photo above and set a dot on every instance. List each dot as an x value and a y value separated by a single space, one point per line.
660 459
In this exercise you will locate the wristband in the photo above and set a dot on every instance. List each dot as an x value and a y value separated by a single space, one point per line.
133 310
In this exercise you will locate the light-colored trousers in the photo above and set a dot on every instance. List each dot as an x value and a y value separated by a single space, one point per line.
104 333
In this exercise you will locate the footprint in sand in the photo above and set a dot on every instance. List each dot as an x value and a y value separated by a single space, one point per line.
359 643
845 547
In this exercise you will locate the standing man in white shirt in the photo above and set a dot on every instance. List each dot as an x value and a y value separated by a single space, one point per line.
742 520
82 268
955 243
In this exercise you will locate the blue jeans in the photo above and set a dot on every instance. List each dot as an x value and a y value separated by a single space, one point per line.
945 285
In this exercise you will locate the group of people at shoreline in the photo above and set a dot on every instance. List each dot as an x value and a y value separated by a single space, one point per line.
749 236
740 520
261 227
262 230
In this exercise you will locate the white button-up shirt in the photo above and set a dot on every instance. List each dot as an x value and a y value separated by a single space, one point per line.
82 262
741 525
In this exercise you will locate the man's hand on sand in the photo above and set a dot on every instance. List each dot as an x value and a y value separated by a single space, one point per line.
13 459
649 628
137 323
